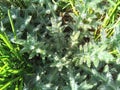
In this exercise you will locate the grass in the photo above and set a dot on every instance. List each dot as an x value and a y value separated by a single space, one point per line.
109 18
10 73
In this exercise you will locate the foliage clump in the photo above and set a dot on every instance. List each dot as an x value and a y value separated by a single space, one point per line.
59 45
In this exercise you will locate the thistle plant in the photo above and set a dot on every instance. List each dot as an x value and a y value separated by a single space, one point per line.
59 45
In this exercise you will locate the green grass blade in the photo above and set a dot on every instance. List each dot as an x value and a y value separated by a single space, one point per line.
9 83
110 14
6 41
12 25
2 68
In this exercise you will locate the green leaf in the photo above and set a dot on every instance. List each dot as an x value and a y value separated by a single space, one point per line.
118 77
88 61
105 56
85 86
32 54
75 35
95 62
